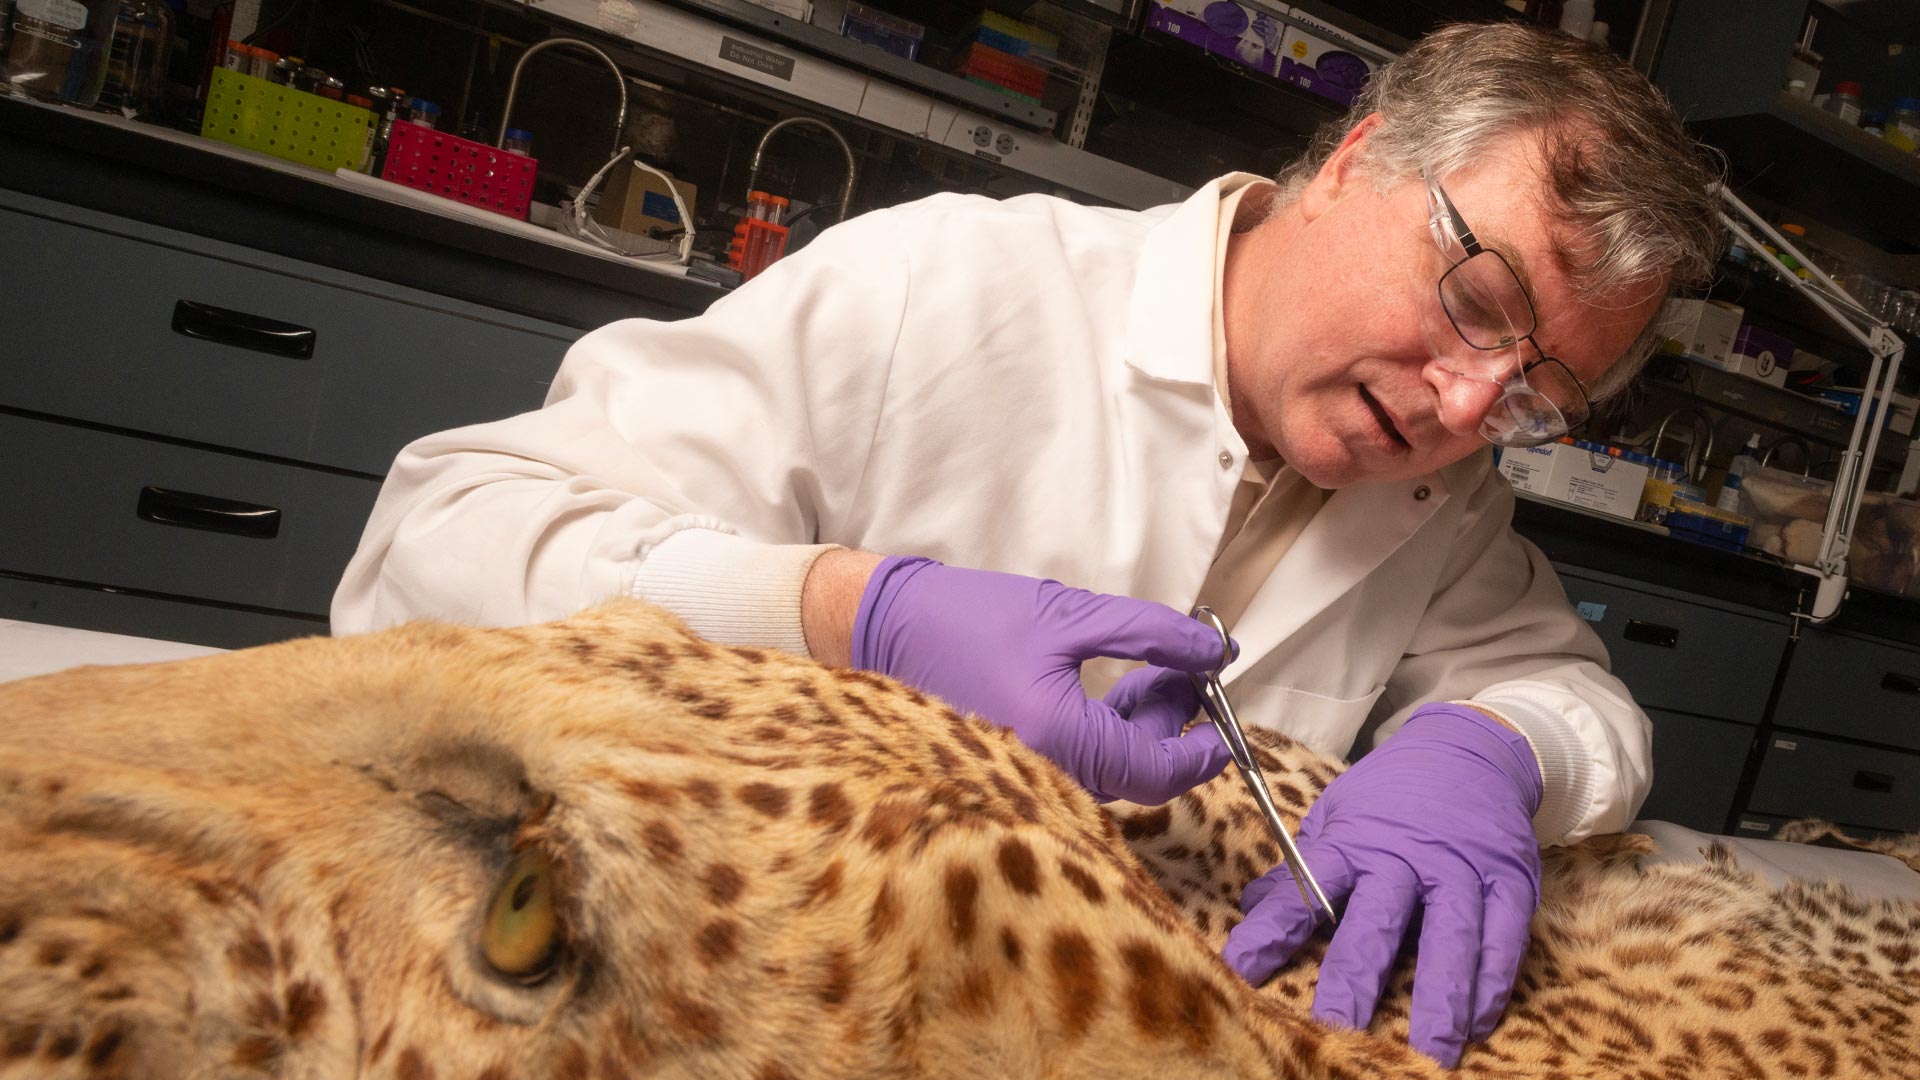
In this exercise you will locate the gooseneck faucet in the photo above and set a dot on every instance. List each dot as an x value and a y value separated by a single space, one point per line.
846 189
1696 464
513 87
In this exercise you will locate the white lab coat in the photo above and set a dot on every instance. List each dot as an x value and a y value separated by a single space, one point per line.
1023 386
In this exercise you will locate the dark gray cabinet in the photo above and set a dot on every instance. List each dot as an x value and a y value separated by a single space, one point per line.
195 432
1854 686
1872 788
1686 654
1697 762
1703 671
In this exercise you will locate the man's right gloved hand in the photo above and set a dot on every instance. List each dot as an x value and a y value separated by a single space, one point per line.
1009 648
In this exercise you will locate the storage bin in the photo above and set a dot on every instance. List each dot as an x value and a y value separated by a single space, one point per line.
294 125
1789 514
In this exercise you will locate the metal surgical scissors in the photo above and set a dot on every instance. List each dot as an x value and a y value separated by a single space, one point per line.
1214 698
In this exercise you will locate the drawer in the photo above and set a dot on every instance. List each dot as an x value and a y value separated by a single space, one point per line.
115 612
95 332
81 506
1853 686
1691 656
1864 786
1696 769
1767 827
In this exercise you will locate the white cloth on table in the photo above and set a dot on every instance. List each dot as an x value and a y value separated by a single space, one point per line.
37 649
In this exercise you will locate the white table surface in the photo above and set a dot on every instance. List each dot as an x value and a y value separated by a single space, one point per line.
36 649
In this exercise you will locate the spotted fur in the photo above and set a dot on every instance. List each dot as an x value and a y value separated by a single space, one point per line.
277 862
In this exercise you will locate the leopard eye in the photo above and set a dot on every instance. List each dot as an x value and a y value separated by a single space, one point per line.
522 936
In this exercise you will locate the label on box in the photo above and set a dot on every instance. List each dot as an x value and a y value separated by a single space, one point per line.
1580 477
654 204
67 13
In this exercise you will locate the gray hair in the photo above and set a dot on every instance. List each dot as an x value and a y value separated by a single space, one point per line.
1622 171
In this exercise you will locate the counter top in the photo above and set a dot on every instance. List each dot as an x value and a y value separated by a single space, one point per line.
180 181
1574 537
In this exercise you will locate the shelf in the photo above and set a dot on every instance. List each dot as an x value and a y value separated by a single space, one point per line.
1787 311
1767 404
872 58
758 60
1791 153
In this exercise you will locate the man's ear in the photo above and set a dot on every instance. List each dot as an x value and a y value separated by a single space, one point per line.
1339 173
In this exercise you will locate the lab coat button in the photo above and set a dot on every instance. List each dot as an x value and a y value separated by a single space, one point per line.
1226 460
1422 492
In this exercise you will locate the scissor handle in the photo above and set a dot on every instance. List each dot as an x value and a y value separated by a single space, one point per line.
1206 615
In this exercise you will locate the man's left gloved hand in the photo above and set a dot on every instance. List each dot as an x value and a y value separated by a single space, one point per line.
1437 821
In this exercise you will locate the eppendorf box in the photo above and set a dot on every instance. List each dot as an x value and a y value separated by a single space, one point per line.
1582 474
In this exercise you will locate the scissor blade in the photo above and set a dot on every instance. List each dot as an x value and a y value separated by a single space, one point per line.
1309 886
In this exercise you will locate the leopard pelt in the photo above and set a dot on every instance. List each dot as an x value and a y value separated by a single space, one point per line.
604 847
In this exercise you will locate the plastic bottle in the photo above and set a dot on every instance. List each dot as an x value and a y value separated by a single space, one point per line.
1797 236
518 141
1874 124
1576 17
1744 462
1903 125
1656 496
1844 102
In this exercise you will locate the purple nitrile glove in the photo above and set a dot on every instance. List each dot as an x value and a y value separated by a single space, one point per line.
1437 820
1009 648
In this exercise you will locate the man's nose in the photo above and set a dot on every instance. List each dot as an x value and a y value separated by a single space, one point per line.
1463 399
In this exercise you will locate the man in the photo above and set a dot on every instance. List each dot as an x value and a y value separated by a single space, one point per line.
1273 398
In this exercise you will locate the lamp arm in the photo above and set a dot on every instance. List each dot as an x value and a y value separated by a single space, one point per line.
1886 350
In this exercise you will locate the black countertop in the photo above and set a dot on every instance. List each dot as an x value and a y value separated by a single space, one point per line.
160 178
1579 538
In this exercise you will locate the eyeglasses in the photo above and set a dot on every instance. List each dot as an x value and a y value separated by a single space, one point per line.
1488 309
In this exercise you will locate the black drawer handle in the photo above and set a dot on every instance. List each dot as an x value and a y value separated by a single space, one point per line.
1900 684
239 329
1647 633
1873 781
190 511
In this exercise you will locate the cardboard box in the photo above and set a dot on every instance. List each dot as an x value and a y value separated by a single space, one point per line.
1759 354
1901 411
1572 473
1316 56
636 201
1704 330
871 26
1246 34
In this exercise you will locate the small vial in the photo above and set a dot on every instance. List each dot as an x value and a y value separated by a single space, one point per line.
425 113
518 141
260 62
236 58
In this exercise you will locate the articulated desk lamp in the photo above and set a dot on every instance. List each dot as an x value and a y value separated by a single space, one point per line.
1887 350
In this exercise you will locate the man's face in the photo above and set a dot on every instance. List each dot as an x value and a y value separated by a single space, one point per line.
1328 361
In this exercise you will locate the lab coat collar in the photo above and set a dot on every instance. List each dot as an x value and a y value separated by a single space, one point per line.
1358 529
1170 313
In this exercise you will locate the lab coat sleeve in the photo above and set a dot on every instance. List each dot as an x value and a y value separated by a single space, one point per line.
1499 633
718 442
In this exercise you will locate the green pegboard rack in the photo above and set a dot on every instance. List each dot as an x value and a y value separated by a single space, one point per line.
303 128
